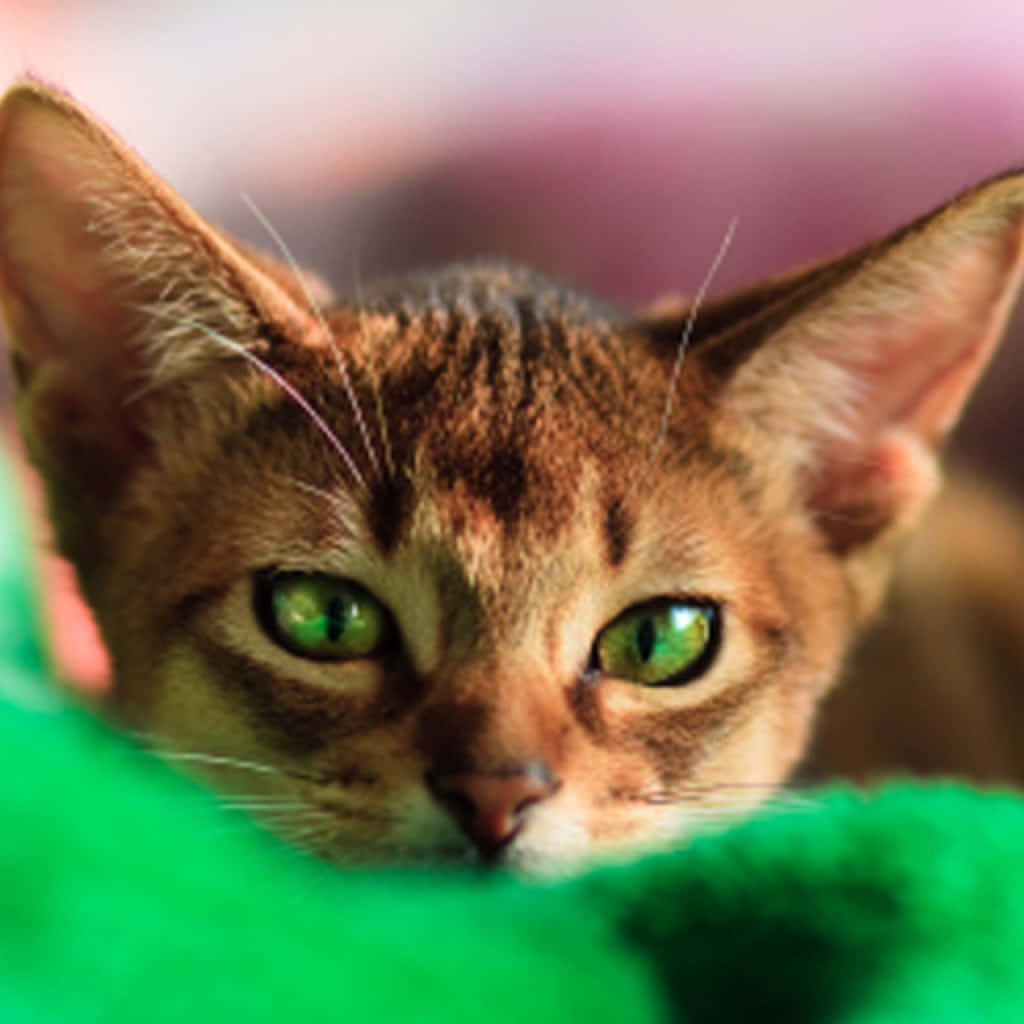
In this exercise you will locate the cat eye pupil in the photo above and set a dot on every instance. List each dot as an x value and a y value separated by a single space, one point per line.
645 636
664 642
335 619
322 617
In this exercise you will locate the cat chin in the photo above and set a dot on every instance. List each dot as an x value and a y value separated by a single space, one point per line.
552 849
525 860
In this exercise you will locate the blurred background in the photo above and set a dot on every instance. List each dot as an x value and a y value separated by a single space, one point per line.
609 144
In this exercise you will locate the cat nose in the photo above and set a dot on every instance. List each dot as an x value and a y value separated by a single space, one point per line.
492 807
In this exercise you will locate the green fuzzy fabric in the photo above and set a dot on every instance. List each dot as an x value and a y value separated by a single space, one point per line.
128 894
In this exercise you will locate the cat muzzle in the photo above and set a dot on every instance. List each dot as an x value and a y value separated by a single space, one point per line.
492 808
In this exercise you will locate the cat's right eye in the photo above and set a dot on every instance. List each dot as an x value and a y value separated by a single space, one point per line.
323 617
664 642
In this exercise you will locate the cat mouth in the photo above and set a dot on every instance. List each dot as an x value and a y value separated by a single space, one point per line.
468 856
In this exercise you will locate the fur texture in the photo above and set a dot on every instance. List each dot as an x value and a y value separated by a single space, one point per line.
473 447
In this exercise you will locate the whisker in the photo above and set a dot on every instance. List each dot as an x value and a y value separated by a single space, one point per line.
309 830
283 816
684 343
162 748
311 833
283 804
278 827
773 796
292 392
357 283
712 787
217 760
328 333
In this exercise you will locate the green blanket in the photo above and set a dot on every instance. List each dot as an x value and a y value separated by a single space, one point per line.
129 895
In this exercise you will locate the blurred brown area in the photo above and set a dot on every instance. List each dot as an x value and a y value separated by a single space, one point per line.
934 686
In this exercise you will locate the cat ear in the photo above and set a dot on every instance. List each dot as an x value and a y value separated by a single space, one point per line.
856 370
111 285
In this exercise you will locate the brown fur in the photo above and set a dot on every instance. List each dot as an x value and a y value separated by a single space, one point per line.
498 464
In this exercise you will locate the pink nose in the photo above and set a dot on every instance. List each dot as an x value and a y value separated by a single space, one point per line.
492 808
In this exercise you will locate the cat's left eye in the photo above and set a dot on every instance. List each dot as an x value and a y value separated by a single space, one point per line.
664 642
323 617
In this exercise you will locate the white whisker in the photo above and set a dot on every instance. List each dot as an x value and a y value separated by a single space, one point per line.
318 313
266 804
723 797
357 284
309 830
311 836
684 342
291 391
163 749
217 760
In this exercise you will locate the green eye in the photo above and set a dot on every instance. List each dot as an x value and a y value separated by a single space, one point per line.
659 643
323 617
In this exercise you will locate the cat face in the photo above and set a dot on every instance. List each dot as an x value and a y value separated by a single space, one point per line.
473 569
499 556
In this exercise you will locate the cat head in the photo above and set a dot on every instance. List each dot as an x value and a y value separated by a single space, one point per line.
473 567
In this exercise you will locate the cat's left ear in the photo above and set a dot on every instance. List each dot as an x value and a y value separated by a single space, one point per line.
112 286
853 372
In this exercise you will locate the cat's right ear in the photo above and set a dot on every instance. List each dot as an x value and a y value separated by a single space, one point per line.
849 376
112 286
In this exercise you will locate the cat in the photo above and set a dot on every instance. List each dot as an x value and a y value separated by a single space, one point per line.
474 569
